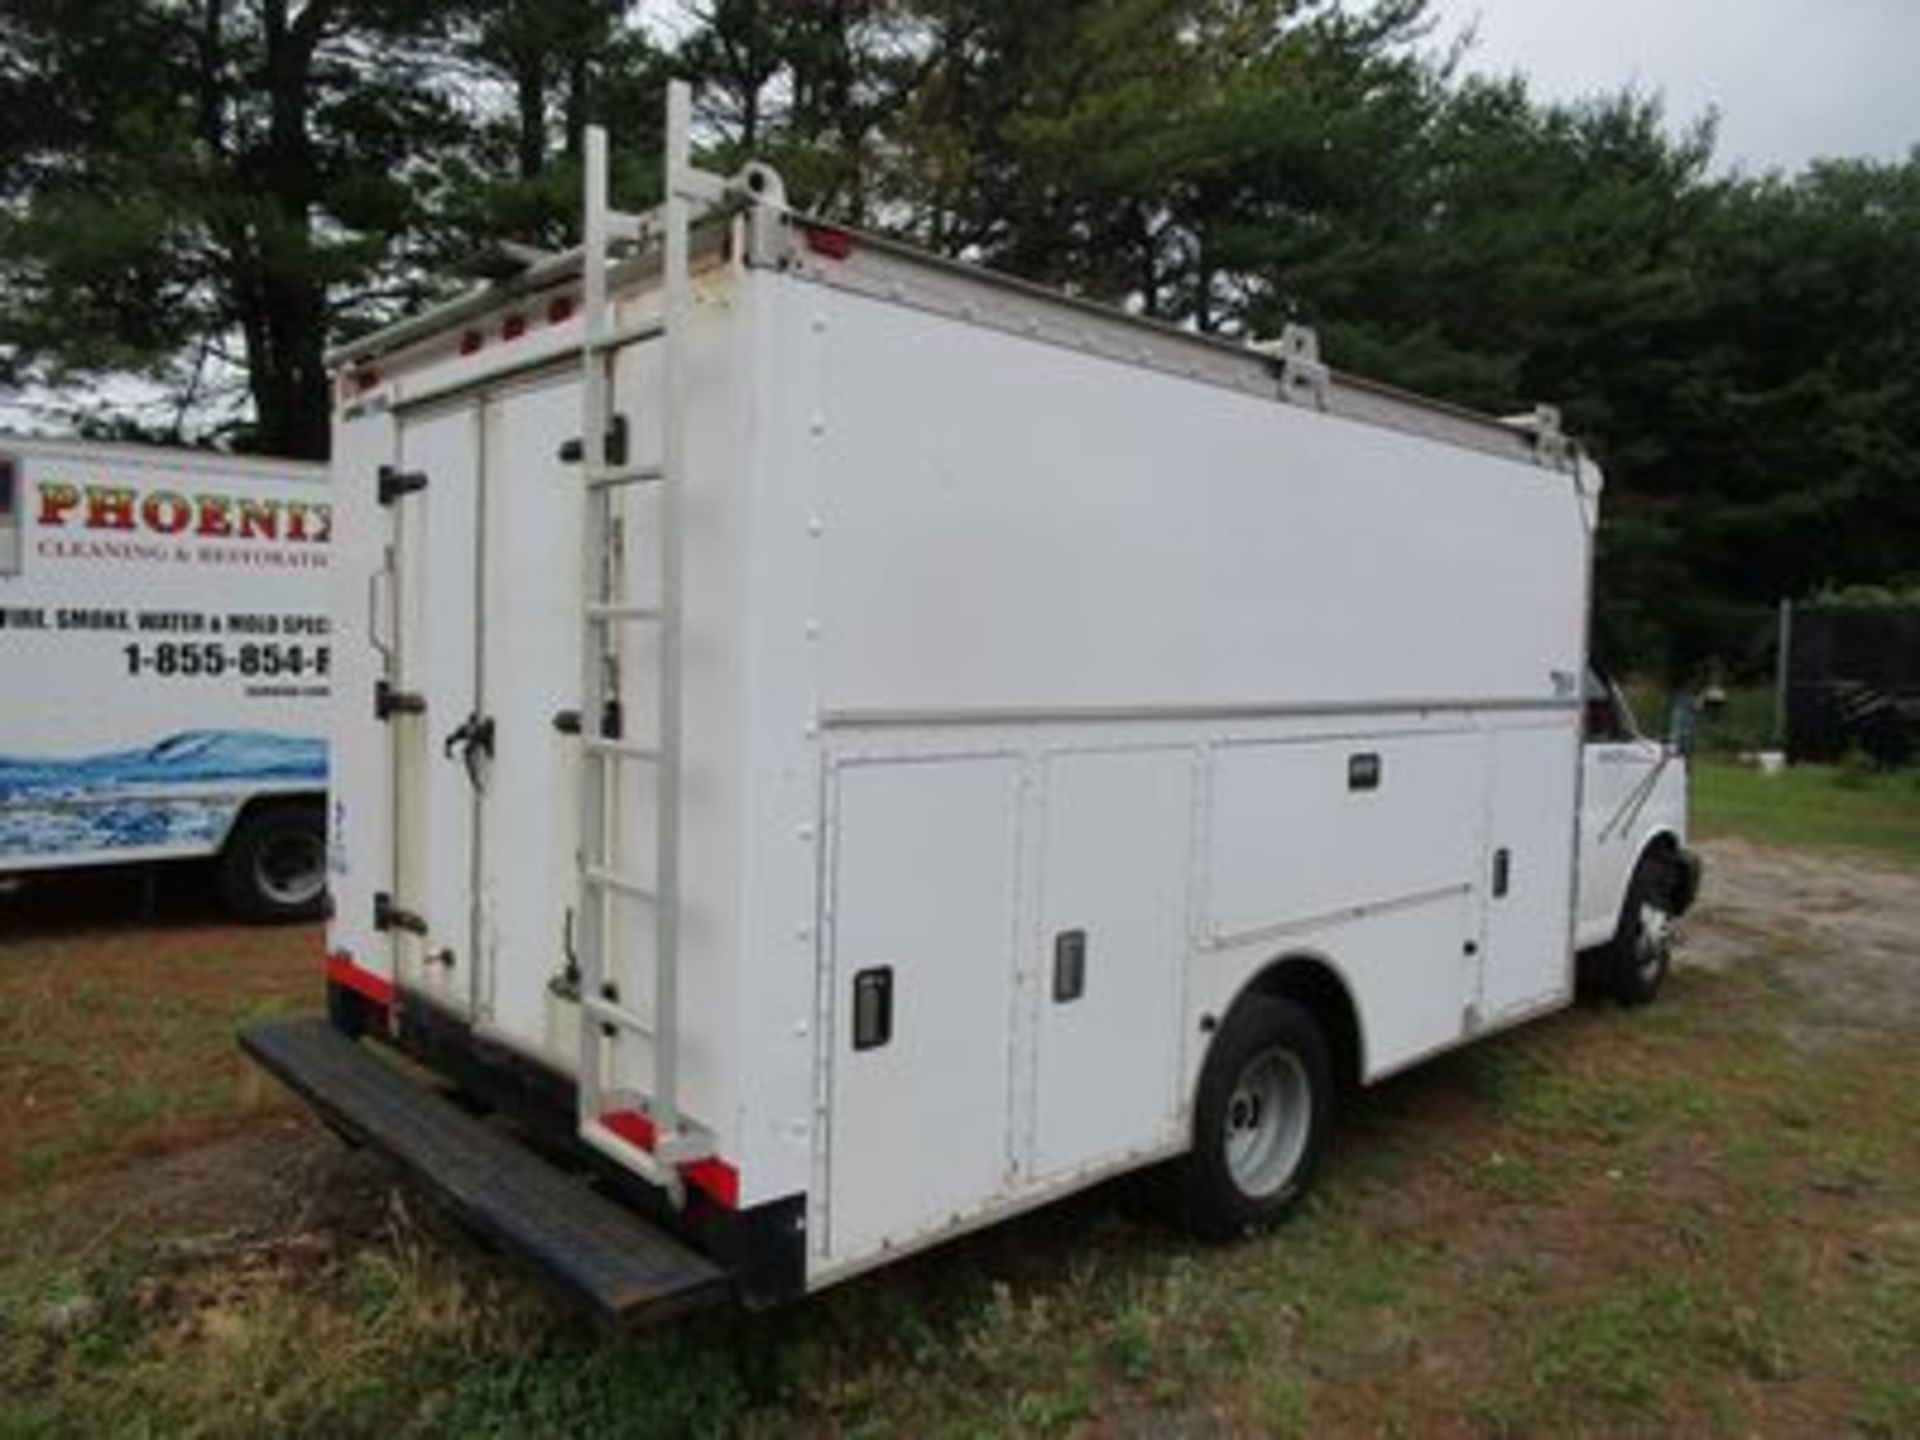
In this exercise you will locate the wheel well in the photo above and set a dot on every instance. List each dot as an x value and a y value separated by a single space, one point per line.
286 800
1316 987
1664 846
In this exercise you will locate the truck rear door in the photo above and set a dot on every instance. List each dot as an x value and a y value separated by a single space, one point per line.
486 599
436 599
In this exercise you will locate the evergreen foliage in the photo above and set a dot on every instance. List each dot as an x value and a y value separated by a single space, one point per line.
189 183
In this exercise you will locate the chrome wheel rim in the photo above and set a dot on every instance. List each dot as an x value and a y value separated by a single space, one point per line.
1654 945
1269 1115
291 868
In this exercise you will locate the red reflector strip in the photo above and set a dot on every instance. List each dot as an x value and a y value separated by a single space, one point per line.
715 1177
341 970
823 240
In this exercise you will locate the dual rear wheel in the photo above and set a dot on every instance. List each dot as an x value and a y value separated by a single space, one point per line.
1265 1104
1261 1120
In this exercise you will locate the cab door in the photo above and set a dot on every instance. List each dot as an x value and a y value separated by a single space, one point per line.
1617 770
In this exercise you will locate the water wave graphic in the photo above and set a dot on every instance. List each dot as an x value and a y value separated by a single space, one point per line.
150 798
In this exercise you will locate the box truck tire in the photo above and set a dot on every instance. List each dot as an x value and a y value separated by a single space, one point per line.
1642 950
274 865
1260 1122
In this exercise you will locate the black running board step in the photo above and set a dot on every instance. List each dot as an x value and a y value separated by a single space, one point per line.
603 1258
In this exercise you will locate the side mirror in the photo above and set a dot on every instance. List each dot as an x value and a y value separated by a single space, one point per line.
1683 725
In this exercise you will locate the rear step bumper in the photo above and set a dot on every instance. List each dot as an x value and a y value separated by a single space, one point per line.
598 1255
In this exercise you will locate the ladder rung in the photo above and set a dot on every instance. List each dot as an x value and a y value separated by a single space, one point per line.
615 1013
625 225
620 749
606 610
632 333
614 880
651 1167
682 1146
608 479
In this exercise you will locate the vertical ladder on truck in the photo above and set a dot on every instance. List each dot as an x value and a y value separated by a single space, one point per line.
648 1132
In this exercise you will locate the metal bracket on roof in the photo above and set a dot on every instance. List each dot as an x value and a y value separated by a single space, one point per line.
1551 445
1304 376
503 260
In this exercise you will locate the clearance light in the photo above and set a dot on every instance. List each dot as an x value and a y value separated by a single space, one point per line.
471 341
513 327
561 309
824 240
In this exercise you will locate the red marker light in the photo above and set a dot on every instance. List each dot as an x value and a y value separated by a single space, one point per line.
513 327
561 309
824 240
471 341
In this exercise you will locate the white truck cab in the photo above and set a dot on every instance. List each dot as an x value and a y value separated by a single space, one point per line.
1636 872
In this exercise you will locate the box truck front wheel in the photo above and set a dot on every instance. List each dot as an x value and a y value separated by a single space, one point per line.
274 866
1260 1120
1642 950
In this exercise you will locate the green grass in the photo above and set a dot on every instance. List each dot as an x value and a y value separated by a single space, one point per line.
1810 805
1675 1221
1565 1242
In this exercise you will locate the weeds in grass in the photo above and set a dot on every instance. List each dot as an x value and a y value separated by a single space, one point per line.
1618 1349
1510 1176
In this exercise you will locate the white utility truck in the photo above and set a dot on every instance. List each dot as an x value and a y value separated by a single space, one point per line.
856 747
165 653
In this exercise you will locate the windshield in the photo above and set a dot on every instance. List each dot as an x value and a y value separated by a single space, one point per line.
1609 720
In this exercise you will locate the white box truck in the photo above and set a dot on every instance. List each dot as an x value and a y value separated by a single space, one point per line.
851 747
165 656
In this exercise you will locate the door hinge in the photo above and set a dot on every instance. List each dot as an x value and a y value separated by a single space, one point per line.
395 482
389 701
388 916
613 447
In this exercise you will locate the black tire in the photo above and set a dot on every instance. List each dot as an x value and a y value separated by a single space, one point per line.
1637 962
274 866
1215 1197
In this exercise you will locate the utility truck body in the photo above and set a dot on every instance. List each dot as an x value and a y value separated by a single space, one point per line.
851 739
164 642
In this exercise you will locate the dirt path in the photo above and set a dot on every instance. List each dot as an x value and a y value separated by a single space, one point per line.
1843 928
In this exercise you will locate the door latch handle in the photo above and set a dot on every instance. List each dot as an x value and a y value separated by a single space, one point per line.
471 736
473 733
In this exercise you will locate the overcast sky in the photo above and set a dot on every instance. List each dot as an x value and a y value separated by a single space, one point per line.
1792 79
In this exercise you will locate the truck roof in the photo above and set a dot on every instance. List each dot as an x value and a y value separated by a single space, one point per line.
1288 369
120 452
